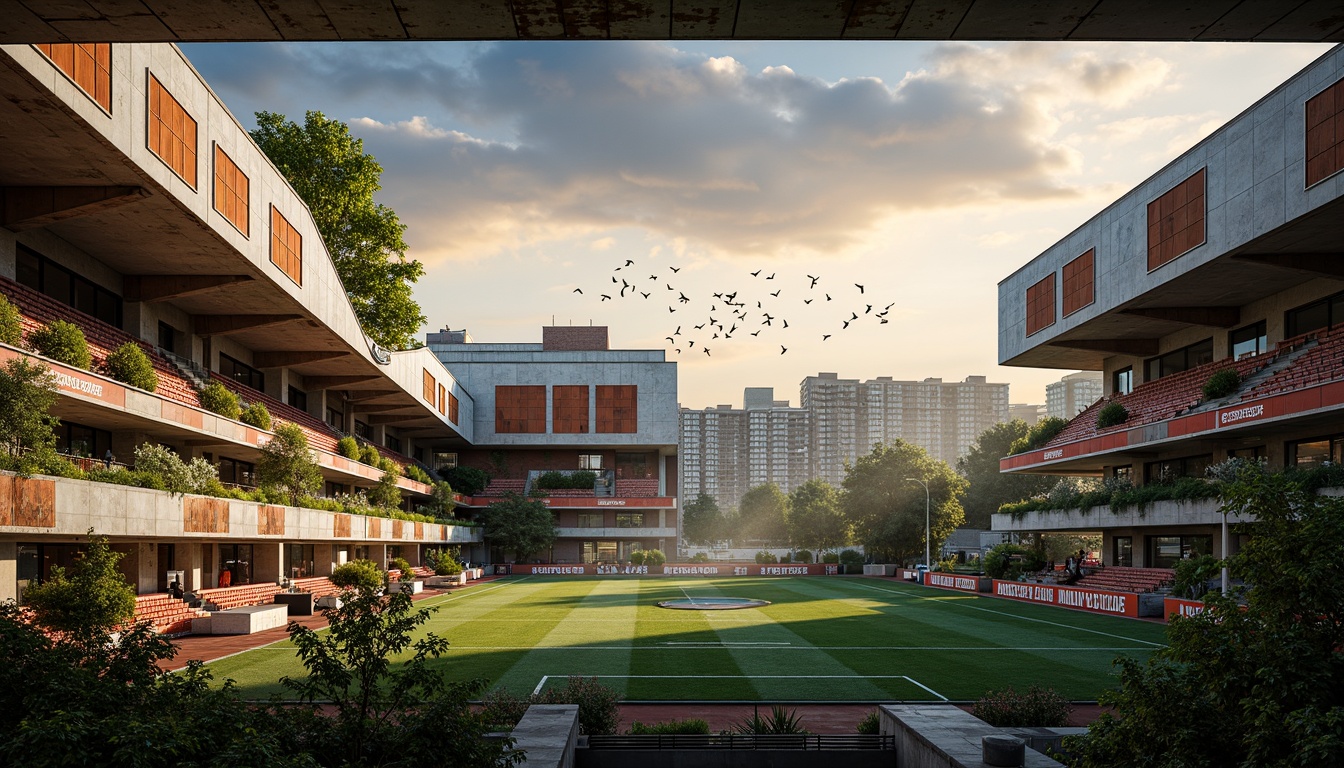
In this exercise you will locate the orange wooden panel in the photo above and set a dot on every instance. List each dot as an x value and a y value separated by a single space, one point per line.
34 502
271 520
341 526
398 529
205 515
375 528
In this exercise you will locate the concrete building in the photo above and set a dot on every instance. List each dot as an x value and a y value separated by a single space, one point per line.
1226 258
1027 412
570 404
833 404
1072 394
726 451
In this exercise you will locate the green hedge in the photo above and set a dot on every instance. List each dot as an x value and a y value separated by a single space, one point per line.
217 398
64 342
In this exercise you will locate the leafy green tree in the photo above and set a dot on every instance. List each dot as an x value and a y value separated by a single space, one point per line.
762 515
63 341
988 488
257 415
175 475
468 481
815 518
89 599
11 324
27 393
1039 434
519 525
386 713
1245 685
337 179
130 365
287 466
386 493
701 521
358 575
886 509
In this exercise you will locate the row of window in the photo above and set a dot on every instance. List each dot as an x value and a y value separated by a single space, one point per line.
437 394
1176 219
42 274
521 409
623 520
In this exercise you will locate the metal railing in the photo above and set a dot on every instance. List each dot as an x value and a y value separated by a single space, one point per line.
804 742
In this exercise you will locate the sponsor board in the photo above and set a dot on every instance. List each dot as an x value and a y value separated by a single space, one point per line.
1229 416
611 502
1079 598
1175 606
952 581
677 569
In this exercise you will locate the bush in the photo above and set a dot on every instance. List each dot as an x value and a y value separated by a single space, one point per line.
1112 414
764 557
502 709
851 557
780 720
443 561
637 557
130 365
417 474
830 557
1005 561
582 480
387 464
870 725
654 557
1040 433
348 448
700 557
359 575
63 341
550 480
92 594
467 481
599 706
689 726
386 493
401 564
1193 575
1037 708
370 455
217 398
11 324
802 556
256 415
172 474
1222 384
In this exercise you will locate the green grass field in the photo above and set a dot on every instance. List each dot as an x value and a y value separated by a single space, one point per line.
820 639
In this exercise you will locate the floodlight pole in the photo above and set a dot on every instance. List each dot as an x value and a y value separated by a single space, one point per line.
928 562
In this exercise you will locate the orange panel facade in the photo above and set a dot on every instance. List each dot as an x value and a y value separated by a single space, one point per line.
88 65
172 132
1079 289
1325 134
569 409
452 408
1041 304
231 191
617 409
286 246
428 384
519 409
1176 221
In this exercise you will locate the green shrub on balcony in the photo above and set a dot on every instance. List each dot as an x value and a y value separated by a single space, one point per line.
582 480
370 455
64 342
357 575
11 324
417 474
1112 414
130 365
348 447
217 398
654 557
256 415
551 480
1041 433
467 481
1221 384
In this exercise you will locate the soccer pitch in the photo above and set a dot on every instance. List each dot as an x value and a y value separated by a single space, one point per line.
820 639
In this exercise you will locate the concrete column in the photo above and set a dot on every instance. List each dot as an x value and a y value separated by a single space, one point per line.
267 562
146 567
9 570
191 561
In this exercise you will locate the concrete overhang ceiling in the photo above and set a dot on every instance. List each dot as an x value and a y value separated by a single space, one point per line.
182 21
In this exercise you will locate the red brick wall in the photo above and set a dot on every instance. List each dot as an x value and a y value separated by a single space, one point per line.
569 338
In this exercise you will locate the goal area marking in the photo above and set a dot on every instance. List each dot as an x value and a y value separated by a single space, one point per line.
907 678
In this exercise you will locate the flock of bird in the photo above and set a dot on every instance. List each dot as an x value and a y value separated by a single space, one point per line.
750 312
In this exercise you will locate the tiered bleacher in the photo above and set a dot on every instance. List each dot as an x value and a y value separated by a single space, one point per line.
38 309
167 614
642 487
1319 364
1121 579
317 586
320 435
224 598
499 487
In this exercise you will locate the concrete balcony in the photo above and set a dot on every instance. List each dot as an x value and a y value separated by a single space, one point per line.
616 533
1157 514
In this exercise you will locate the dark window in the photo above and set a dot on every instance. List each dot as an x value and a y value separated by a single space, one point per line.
242 372
58 283
1167 551
632 466
333 489
1323 313
1178 360
300 560
298 398
444 461
29 268
78 440
391 442
235 472
1171 469
42 274
237 560
1313 453
1123 549
362 429
1250 340
629 519
590 519
335 418
167 337
1123 473
1122 381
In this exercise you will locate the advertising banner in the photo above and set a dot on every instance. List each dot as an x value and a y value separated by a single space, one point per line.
955 581
677 569
1079 598
1178 607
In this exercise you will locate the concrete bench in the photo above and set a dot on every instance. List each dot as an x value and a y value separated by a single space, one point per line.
247 620
410 587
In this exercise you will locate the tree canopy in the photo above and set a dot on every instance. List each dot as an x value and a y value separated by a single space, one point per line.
762 515
988 488
287 465
27 393
1245 685
815 518
337 179
519 525
702 521
886 509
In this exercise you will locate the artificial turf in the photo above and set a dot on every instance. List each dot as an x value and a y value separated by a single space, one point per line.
820 639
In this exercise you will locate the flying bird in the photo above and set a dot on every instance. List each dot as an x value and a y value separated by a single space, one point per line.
776 293
783 349
869 309
853 315
828 297
825 336
845 325
771 277
706 350
675 269
605 297
614 280
671 309
807 301
653 277
885 321
757 272
578 290
755 333
670 288
814 281
678 331
860 287
645 295
786 323
682 298
715 336
669 338
698 327
691 343
628 262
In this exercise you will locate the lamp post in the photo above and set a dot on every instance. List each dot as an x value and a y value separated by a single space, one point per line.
928 562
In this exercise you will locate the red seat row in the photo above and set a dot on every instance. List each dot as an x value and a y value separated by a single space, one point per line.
643 487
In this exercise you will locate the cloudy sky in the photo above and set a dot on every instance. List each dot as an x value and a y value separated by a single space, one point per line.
925 172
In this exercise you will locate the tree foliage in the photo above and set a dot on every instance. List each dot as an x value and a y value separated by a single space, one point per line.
287 466
88 599
815 518
257 415
987 488
130 365
217 398
62 341
11 324
519 525
27 393
762 515
702 521
386 493
337 179
1039 434
1252 685
886 509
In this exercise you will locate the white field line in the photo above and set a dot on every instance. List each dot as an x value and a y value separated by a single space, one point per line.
719 644
542 683
952 600
786 647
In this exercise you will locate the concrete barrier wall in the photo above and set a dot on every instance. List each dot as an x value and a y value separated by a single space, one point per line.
547 735
943 737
